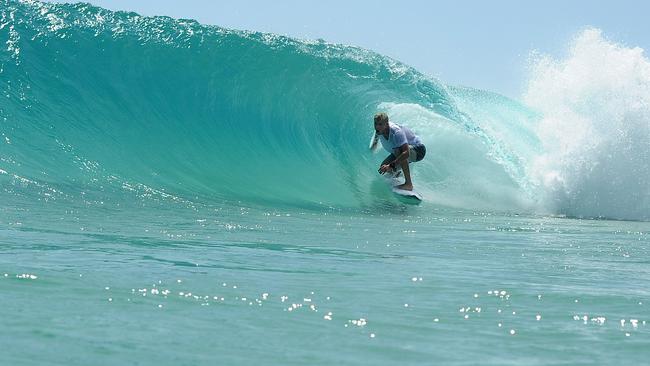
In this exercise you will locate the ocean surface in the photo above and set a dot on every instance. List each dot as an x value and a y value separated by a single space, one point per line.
179 194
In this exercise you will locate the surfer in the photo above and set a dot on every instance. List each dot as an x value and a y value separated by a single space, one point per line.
403 145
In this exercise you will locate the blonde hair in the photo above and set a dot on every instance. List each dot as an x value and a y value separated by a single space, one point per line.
381 117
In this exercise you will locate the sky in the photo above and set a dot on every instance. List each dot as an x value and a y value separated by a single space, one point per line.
481 44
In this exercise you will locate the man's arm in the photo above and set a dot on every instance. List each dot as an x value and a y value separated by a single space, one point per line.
403 155
374 141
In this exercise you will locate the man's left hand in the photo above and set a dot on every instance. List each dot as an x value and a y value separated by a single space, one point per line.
384 168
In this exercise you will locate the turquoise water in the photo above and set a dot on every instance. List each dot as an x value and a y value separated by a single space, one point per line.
175 193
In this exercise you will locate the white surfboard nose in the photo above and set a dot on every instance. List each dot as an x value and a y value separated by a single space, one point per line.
409 194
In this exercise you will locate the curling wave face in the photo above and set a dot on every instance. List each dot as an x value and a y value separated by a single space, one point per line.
103 104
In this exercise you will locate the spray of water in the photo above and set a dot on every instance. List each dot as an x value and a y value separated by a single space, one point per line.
595 129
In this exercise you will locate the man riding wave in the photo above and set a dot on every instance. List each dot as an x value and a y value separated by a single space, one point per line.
402 144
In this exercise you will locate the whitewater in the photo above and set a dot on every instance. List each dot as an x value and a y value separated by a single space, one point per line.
177 193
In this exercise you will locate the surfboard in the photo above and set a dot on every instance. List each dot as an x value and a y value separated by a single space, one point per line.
409 196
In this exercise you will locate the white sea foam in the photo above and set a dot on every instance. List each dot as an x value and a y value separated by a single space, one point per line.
595 128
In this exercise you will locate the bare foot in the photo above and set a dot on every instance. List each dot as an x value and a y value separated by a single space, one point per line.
405 186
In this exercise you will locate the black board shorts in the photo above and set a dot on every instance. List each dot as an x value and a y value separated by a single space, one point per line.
416 153
420 152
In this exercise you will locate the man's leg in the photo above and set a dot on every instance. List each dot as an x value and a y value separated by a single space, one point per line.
408 185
